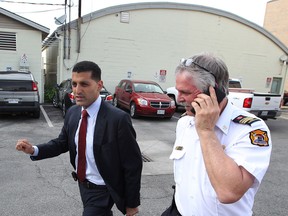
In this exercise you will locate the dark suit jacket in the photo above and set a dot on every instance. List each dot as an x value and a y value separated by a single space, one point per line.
116 152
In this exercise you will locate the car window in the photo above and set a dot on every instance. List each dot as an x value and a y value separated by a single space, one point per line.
146 87
62 84
15 76
234 84
155 88
140 87
15 81
66 84
128 87
69 84
122 84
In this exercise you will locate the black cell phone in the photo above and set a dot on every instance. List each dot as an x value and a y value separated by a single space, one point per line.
219 94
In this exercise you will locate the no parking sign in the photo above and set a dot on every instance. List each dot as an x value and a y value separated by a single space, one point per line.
162 77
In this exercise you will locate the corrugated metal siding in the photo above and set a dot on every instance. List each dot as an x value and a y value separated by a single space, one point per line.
156 39
6 22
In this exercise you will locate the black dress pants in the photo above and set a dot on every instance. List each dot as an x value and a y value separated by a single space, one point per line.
96 200
172 209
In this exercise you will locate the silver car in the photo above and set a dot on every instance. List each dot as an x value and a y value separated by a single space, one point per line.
19 93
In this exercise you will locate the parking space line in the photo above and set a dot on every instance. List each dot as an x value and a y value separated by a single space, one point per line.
175 117
283 117
46 117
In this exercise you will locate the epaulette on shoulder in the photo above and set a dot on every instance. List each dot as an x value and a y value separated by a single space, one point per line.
245 120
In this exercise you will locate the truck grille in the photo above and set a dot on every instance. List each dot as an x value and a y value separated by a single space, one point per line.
159 104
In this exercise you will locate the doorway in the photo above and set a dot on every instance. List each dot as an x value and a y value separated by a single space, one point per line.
276 85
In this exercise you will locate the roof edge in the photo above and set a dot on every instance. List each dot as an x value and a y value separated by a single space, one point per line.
28 22
181 6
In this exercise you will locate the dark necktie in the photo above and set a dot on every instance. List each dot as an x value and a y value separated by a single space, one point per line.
81 169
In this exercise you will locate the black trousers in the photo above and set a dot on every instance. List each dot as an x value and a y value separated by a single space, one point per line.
172 209
96 201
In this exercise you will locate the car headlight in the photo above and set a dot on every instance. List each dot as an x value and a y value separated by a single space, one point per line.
142 102
172 103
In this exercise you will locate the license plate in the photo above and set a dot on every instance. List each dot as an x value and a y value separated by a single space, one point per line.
160 112
13 101
264 113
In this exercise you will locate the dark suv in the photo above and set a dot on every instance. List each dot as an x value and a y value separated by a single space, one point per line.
19 93
64 97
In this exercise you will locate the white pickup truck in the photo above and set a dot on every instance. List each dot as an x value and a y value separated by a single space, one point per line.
263 105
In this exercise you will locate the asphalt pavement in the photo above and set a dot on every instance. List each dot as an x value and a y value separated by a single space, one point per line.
45 188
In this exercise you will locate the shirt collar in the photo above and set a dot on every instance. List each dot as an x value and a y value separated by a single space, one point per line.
224 120
93 109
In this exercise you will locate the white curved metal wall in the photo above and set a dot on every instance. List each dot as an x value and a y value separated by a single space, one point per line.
156 39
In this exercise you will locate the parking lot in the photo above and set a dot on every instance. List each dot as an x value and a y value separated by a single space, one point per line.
46 188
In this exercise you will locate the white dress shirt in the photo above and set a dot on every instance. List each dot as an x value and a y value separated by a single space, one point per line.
195 195
92 173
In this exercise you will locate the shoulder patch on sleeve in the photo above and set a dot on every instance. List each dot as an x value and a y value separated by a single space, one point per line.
259 137
245 120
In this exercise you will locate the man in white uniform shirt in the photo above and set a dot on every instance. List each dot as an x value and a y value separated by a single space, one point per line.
221 152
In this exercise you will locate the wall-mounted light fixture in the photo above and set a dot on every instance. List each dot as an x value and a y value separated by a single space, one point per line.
283 58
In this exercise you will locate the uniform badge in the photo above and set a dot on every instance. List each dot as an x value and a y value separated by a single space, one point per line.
259 138
179 148
245 120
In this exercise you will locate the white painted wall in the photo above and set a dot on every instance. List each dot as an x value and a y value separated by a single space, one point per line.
157 39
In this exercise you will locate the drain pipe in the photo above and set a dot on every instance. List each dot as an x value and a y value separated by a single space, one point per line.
79 27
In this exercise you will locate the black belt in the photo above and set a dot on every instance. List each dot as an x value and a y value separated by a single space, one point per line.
90 185
87 184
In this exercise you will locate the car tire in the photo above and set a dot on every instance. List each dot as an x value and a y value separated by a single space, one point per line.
133 110
55 101
36 114
115 102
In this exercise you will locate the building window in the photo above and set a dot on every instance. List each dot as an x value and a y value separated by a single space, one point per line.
8 41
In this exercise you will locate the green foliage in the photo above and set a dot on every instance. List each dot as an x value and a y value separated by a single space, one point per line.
49 92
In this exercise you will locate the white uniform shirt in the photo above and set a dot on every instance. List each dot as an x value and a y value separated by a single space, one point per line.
92 173
194 192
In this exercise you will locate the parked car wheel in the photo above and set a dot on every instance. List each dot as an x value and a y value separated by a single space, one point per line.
133 110
36 114
55 101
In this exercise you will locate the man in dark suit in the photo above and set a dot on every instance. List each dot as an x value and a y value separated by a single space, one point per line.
112 158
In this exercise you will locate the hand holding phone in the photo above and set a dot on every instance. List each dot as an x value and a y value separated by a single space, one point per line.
219 94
